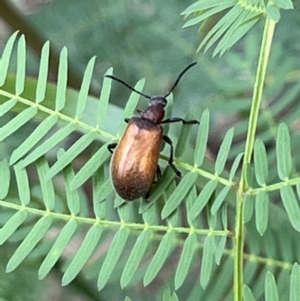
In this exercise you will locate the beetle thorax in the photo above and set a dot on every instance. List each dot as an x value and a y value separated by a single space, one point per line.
154 113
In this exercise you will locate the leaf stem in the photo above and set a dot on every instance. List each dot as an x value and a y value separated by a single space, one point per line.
256 102
258 86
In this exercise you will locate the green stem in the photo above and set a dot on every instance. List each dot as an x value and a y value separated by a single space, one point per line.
258 86
256 102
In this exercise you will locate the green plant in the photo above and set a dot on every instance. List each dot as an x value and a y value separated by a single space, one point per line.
233 222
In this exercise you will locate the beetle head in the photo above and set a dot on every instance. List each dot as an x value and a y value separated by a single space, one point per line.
158 101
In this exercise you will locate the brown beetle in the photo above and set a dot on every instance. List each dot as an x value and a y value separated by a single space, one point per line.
135 160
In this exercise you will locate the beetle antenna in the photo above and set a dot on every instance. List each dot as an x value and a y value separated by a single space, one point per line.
179 77
131 88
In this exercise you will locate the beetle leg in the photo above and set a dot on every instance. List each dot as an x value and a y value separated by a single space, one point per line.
147 196
177 119
127 120
111 146
169 141
158 175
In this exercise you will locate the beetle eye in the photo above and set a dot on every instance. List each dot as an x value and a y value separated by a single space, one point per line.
163 102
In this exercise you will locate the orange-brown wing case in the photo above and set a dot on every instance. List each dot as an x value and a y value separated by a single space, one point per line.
135 159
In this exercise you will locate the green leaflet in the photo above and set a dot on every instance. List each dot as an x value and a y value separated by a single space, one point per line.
62 80
58 247
39 133
185 260
294 283
135 257
36 234
262 211
84 89
208 259
4 178
20 74
271 293
43 73
179 193
12 225
116 248
17 122
68 156
283 152
4 62
164 249
83 254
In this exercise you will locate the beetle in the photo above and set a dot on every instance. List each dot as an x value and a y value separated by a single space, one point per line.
134 162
